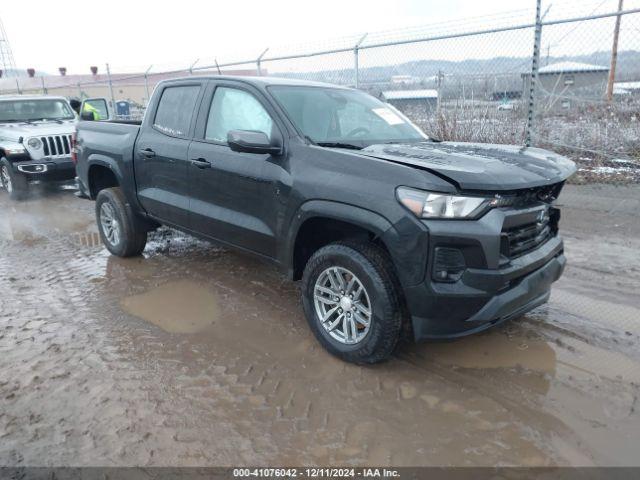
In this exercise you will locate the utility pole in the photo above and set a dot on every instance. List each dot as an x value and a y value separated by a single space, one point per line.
548 54
614 53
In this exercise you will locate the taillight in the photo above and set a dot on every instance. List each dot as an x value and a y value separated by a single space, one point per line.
74 148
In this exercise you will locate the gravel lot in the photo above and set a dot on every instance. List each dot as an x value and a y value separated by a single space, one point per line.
193 355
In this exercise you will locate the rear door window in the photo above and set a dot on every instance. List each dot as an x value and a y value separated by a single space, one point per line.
175 110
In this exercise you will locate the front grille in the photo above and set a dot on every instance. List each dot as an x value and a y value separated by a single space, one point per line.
520 240
56 145
528 197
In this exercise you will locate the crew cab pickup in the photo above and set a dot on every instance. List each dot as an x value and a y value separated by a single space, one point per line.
35 141
389 231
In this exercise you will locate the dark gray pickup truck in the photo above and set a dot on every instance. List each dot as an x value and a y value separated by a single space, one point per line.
389 231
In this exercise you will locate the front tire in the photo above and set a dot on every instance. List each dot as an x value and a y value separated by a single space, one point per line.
121 232
14 183
352 301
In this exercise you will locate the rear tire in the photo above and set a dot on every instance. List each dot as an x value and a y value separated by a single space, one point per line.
121 232
14 183
375 313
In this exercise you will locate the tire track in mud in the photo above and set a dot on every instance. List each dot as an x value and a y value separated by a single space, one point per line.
112 388
526 414
270 398
65 275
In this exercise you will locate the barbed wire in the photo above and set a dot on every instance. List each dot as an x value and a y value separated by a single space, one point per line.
474 65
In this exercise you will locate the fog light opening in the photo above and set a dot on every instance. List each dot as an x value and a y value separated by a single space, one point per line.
448 265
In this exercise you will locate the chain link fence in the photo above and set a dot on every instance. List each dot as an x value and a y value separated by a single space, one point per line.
459 81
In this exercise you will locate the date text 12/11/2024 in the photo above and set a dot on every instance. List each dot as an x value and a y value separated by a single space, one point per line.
316 473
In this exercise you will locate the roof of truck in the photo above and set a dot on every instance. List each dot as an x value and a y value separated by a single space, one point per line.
259 81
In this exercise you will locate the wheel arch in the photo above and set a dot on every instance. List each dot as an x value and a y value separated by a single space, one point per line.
102 173
318 223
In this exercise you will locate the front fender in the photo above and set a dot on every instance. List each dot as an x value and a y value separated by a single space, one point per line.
10 148
407 249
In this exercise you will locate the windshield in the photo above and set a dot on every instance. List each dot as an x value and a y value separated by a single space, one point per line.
34 110
344 117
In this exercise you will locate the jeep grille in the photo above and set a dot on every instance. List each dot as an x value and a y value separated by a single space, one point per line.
57 145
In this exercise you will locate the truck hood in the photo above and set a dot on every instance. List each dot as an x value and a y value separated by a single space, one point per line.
14 131
479 166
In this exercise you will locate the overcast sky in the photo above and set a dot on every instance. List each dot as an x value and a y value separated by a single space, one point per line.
131 34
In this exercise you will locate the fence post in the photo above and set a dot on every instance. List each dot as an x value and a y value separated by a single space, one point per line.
356 68
537 38
259 61
44 87
113 100
146 83
193 65
439 84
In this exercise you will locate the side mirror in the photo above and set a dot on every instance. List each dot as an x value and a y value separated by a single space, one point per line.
250 141
88 116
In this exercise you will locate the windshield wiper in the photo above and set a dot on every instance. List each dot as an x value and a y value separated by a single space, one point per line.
32 120
339 145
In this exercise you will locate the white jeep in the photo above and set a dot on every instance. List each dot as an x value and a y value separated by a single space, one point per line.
35 141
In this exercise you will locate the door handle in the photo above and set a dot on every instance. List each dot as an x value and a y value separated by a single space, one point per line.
148 153
201 163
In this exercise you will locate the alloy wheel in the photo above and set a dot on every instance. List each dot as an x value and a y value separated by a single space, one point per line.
110 224
6 179
342 305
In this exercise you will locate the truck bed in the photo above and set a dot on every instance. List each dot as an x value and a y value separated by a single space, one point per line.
113 138
102 141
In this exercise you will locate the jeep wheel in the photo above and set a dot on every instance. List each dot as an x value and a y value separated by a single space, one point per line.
351 299
120 230
14 183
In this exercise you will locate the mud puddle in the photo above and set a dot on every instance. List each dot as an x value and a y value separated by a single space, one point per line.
492 350
183 306
47 213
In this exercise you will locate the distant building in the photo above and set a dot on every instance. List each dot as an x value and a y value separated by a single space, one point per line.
626 88
404 80
565 85
411 99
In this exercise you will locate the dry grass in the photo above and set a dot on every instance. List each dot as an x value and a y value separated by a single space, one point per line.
603 139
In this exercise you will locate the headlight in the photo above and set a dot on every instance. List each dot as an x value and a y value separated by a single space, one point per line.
439 205
14 151
34 143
